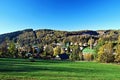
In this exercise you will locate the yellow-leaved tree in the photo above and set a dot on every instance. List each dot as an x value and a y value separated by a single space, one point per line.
57 50
117 53
105 53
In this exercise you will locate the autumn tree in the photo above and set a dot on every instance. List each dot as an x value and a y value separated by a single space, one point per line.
100 43
12 49
119 39
91 42
76 53
41 48
57 50
48 51
74 39
66 41
4 49
105 53
117 53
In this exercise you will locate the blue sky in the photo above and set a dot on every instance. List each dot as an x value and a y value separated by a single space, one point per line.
66 15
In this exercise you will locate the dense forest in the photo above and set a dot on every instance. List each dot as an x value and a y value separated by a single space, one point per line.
29 36
48 44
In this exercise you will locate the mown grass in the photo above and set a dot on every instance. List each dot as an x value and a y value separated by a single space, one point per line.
22 69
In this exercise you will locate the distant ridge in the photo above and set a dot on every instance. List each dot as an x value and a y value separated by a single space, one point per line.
38 36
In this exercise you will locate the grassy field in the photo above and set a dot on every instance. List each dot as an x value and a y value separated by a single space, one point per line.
22 69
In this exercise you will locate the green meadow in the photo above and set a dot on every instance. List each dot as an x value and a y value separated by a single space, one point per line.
23 69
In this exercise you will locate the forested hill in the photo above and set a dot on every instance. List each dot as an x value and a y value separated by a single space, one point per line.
47 36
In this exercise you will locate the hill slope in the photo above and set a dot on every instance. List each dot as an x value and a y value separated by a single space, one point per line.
43 35
47 36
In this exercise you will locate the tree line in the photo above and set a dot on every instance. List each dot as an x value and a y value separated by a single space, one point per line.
47 44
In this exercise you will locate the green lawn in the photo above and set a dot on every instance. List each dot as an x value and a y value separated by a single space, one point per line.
22 69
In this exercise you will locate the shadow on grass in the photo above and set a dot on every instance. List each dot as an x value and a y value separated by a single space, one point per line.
23 67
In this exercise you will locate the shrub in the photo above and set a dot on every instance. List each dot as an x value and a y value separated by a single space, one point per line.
88 57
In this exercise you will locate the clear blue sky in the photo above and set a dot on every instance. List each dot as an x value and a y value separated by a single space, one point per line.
67 15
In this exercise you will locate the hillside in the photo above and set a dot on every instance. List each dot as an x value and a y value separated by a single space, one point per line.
47 36
74 45
30 36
